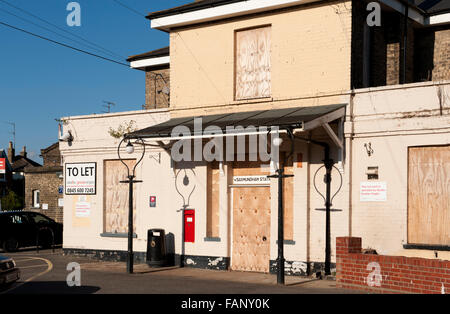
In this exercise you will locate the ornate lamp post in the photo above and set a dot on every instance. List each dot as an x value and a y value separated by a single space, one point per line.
130 175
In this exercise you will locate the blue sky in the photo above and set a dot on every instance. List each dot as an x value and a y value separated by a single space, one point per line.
40 81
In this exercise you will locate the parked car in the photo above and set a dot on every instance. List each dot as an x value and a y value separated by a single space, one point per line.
9 272
22 229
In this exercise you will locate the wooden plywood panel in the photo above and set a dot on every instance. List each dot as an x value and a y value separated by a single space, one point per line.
429 195
250 168
251 224
116 197
253 75
213 208
288 201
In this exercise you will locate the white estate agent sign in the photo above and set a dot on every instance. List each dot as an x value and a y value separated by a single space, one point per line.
81 178
373 192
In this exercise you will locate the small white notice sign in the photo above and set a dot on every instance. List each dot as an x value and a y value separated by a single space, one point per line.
82 209
44 206
251 180
373 192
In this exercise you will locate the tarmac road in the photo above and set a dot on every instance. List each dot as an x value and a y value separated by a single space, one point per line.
46 273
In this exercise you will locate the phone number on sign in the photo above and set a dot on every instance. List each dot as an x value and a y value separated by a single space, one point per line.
80 191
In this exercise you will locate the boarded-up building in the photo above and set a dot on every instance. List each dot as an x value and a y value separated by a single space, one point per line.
372 102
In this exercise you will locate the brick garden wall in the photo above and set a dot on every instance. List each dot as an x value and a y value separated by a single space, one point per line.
388 274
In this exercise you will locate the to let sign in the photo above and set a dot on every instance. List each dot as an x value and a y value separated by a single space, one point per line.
2 165
81 178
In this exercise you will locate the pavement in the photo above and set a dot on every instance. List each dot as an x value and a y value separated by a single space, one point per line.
46 273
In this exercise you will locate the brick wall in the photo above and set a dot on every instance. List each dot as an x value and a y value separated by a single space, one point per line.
388 274
155 81
386 43
47 182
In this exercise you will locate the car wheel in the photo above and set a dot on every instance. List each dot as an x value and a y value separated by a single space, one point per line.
10 245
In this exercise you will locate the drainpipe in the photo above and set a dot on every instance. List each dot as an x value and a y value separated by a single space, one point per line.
328 162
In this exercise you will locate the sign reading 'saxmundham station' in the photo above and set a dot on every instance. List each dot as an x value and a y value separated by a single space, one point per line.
81 178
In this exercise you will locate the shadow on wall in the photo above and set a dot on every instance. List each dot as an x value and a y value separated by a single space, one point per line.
170 249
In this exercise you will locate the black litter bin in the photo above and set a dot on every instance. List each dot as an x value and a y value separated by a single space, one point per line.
156 247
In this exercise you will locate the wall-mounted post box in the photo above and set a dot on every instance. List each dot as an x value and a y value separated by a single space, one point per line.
189 225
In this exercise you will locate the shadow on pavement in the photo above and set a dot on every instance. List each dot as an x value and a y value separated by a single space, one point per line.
31 249
51 287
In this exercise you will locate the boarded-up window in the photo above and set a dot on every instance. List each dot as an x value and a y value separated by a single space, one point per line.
429 195
253 76
116 196
212 211
288 200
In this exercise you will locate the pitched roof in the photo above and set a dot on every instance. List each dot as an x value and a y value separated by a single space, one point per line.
162 52
20 162
51 147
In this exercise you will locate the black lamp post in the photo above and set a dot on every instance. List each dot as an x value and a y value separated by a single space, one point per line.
130 175
280 176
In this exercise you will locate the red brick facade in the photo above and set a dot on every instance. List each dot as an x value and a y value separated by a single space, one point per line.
388 274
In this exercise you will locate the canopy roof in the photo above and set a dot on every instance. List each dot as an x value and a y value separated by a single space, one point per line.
289 118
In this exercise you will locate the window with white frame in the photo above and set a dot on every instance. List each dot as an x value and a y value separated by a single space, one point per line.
36 198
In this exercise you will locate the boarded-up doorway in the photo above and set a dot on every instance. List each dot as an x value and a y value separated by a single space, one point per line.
251 229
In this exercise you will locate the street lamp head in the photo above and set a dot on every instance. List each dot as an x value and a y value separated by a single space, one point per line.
129 148
277 141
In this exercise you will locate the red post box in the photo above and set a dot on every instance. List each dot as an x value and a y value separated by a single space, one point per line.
189 225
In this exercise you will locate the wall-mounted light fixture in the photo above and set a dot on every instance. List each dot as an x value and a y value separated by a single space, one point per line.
66 137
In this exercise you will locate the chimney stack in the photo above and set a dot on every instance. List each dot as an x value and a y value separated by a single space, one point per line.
11 153
24 152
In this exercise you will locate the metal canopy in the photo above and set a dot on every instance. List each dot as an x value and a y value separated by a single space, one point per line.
295 118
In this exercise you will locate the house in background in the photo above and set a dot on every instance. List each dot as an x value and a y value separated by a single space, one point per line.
156 65
44 185
17 164
5 173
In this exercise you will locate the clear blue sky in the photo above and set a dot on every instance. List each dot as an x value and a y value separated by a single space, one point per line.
41 81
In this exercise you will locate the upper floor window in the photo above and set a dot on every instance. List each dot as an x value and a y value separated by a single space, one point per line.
252 69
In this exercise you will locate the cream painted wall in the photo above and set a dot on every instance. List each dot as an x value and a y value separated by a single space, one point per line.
393 119
202 60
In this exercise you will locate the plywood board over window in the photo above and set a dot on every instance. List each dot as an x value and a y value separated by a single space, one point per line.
213 208
288 199
429 195
116 196
252 68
